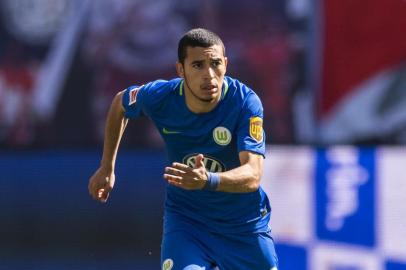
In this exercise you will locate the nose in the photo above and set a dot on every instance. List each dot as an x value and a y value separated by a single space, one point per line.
209 74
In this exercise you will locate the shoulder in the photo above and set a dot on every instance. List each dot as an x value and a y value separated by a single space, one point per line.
152 92
160 87
241 94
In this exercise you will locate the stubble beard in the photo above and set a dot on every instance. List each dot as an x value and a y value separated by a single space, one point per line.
208 100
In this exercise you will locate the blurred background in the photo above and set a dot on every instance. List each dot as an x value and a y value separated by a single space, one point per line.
332 79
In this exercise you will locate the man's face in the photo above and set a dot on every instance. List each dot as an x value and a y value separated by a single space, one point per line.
203 71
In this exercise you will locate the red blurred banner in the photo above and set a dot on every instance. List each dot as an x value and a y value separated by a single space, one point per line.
363 72
360 39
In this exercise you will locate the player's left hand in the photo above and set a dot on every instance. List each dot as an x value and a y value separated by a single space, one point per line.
183 176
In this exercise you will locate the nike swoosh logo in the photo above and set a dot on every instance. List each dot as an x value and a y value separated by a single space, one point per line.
165 131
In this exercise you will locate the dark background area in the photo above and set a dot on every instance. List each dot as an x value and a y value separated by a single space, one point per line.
48 220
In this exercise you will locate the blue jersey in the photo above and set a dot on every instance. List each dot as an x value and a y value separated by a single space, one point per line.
234 125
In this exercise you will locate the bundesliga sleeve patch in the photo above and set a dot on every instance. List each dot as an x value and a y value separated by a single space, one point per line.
133 95
256 128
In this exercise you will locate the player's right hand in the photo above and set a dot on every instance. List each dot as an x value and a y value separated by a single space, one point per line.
183 176
100 184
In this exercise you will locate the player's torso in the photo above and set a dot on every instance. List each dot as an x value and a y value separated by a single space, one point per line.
212 134
215 135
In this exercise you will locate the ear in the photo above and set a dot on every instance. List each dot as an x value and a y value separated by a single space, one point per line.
225 62
180 70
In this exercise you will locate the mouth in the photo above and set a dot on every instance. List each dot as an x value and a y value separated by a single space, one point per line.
211 88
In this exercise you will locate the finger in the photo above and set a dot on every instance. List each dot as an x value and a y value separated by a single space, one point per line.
174 183
199 161
181 166
173 178
173 171
104 196
93 191
99 194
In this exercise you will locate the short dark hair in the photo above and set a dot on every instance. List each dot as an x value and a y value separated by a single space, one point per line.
197 37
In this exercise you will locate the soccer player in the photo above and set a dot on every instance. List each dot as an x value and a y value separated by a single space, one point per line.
216 213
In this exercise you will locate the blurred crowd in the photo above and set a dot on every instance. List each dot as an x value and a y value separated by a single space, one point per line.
128 42
97 48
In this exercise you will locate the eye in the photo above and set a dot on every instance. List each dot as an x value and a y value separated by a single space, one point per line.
216 63
197 65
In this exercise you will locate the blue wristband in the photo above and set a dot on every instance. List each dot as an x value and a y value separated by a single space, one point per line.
213 181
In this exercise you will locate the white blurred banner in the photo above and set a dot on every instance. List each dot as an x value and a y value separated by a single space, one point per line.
339 208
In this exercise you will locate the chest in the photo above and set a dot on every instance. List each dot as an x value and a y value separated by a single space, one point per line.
183 130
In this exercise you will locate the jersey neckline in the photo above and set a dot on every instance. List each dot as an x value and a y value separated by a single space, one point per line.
224 90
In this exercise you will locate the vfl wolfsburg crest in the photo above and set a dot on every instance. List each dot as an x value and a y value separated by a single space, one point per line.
222 135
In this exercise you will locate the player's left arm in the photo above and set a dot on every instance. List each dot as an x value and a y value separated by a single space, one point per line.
245 178
251 148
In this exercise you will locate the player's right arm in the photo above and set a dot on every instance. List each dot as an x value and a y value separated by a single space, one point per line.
102 181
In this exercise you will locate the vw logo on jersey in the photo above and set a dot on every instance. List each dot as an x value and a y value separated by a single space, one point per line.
222 136
210 163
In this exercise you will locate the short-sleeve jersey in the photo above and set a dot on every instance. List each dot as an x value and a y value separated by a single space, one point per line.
234 125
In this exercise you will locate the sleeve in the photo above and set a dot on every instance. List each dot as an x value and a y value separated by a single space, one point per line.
250 133
139 100
133 101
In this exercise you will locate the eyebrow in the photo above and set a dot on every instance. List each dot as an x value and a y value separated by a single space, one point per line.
216 59
211 59
197 62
